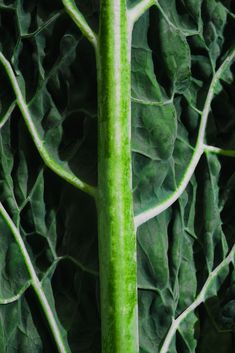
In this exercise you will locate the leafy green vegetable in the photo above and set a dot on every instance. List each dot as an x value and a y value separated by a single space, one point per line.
80 194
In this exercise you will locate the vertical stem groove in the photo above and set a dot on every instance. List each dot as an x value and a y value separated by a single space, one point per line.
117 244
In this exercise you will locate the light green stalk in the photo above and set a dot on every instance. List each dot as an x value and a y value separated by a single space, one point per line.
117 244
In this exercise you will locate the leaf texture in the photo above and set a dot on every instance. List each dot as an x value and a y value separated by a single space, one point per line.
186 279
175 51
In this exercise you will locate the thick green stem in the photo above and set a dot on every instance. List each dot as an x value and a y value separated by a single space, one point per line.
117 244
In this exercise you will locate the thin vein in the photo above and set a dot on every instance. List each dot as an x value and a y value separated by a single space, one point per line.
35 185
7 115
187 33
199 300
42 27
72 260
16 296
153 103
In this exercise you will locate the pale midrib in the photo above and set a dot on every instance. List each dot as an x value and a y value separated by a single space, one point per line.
198 151
117 243
35 283
48 160
199 300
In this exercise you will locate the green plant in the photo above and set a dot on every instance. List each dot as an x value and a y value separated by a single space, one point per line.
165 189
